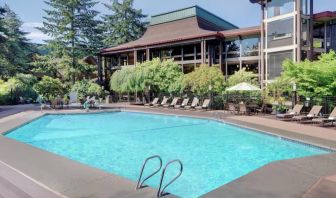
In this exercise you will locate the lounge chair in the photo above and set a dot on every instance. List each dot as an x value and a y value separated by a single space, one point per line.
331 119
155 101
205 105
314 112
296 111
183 104
164 102
193 105
173 103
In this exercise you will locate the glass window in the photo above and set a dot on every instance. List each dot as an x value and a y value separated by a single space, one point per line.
233 49
280 33
250 47
279 7
305 7
275 60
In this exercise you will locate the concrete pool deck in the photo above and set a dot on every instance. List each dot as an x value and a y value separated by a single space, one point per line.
26 171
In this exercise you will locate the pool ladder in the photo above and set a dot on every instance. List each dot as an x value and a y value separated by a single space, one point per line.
161 190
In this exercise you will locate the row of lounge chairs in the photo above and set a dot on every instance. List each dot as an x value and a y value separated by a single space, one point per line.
312 117
195 104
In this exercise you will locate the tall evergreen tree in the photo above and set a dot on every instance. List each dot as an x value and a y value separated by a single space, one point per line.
74 30
15 50
125 24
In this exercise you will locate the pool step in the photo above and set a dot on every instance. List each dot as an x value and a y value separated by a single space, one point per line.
161 192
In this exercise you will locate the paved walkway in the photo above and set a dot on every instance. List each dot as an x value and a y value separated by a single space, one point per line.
55 176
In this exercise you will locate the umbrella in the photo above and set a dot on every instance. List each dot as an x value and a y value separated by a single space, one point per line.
243 87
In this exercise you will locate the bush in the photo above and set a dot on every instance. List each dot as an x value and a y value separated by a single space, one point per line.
242 76
16 87
49 88
160 75
86 88
203 79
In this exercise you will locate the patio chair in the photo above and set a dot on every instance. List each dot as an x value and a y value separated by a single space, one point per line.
205 105
155 101
232 108
322 121
173 103
164 102
242 109
183 104
314 112
296 111
194 103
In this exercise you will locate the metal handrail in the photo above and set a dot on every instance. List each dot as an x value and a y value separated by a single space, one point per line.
160 192
140 184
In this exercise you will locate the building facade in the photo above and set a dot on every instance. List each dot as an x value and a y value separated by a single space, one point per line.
193 36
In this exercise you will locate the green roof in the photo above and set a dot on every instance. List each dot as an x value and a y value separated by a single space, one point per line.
194 11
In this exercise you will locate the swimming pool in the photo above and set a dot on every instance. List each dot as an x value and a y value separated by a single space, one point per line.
213 153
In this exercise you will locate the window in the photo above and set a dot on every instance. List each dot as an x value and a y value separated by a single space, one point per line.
279 7
250 47
233 49
275 60
280 33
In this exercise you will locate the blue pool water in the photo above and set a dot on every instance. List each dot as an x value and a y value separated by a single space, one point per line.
212 153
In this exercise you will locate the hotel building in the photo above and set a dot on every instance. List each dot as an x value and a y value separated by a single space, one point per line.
193 36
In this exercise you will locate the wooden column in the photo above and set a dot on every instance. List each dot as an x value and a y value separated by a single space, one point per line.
135 57
221 55
147 54
100 73
182 58
195 56
209 55
203 44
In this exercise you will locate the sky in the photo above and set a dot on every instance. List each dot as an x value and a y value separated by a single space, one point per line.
239 12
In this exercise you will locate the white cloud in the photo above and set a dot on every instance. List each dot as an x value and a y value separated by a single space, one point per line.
35 35
32 24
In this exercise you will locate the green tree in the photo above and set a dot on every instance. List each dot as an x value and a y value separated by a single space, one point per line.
49 88
74 30
313 78
125 24
204 80
242 76
15 51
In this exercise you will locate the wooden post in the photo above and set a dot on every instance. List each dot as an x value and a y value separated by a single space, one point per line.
209 55
221 54
100 73
135 57
182 58
147 54
195 56
203 51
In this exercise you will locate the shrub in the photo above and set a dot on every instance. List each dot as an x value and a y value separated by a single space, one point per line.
203 79
16 87
242 76
49 88
86 88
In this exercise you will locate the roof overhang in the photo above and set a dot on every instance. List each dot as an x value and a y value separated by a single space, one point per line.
325 16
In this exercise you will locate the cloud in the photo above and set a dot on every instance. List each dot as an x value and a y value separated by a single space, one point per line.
32 24
35 35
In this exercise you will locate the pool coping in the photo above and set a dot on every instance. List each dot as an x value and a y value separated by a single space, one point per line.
148 192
